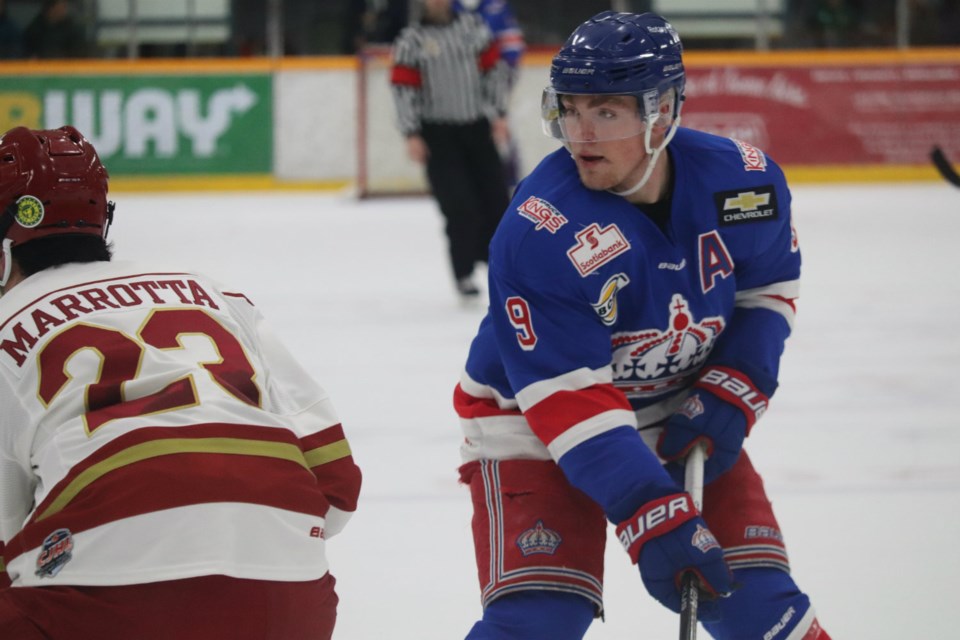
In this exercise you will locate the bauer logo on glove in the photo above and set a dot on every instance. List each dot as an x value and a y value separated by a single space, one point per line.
736 389
654 519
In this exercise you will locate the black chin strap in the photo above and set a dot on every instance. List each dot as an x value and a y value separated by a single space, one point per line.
109 221
7 219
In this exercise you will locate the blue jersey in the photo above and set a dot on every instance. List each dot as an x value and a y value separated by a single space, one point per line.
502 22
600 318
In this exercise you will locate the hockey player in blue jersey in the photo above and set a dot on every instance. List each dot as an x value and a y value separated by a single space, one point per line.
508 35
642 286
503 23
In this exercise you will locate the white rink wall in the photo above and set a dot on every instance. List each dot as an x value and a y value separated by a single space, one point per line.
317 124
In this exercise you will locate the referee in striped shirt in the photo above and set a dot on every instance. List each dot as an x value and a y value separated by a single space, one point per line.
450 88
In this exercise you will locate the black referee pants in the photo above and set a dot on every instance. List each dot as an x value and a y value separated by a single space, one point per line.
467 179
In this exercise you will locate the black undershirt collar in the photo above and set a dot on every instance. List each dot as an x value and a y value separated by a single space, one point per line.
659 212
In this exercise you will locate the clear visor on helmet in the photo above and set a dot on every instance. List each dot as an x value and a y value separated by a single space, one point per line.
595 118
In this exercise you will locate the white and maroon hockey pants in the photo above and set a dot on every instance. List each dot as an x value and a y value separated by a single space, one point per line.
204 608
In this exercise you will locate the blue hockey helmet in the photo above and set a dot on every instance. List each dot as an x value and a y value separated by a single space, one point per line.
617 54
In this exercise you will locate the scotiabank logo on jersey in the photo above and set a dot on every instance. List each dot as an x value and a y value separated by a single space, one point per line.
596 247
651 362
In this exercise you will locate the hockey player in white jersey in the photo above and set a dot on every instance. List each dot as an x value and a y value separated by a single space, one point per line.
167 469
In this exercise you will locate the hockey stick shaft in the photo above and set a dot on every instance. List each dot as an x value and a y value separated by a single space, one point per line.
689 595
942 163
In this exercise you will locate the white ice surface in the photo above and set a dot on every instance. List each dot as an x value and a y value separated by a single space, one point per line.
860 449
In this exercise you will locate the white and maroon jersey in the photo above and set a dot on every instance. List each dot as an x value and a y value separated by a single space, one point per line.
154 429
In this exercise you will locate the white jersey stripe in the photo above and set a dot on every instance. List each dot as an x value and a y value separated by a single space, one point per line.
571 381
213 548
777 297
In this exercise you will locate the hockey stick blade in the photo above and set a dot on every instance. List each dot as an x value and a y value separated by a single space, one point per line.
943 165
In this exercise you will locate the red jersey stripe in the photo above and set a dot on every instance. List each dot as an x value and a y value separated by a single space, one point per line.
187 479
333 433
340 481
791 302
562 410
469 407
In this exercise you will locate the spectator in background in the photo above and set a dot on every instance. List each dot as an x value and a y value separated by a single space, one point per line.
934 22
503 23
876 23
450 86
949 20
390 17
54 33
509 37
797 16
10 46
358 22
835 23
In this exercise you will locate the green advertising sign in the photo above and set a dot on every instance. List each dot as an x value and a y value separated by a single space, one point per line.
154 124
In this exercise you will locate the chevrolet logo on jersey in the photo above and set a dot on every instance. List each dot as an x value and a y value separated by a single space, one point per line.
737 207
748 201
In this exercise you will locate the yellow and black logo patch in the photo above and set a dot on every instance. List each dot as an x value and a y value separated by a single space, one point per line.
29 211
740 206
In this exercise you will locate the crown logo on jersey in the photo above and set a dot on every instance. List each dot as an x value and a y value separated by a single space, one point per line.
652 362
702 539
539 539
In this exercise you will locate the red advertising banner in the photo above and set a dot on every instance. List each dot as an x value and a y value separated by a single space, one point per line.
866 108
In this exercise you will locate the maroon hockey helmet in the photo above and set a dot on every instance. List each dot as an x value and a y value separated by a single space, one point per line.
51 182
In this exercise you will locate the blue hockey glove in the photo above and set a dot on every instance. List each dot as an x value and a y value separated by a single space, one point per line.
667 538
720 411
